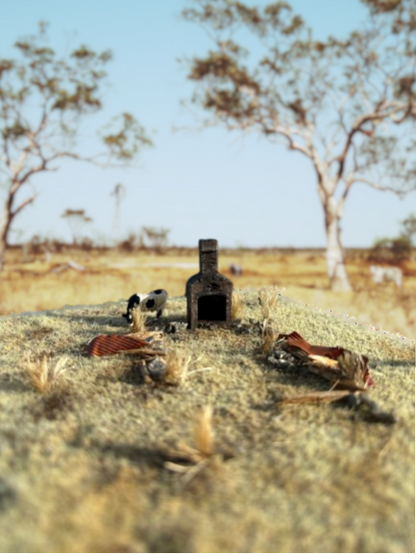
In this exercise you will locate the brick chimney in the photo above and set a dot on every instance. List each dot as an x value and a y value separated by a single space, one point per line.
208 293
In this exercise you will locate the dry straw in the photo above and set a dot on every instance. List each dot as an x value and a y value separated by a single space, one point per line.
268 297
44 374
237 307
195 458
139 321
268 336
177 367
204 433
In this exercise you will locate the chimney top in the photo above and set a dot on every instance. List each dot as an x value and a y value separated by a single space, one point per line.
208 245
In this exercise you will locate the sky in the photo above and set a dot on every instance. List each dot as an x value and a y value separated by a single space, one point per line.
199 183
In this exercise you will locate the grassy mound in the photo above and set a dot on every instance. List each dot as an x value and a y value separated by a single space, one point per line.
97 457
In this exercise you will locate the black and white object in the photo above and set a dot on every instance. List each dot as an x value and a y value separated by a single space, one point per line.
154 301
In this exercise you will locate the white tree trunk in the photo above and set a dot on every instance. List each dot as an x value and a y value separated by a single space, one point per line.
335 259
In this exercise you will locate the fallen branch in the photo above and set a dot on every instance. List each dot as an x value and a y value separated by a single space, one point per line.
320 397
69 265
359 402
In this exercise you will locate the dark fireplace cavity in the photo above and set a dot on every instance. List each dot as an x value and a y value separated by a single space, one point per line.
212 308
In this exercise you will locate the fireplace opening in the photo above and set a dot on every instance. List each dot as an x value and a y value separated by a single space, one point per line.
212 307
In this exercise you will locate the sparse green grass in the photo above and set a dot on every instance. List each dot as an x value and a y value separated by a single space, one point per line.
90 469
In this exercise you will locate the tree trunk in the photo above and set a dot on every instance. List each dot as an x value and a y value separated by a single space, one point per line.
335 259
5 222
3 247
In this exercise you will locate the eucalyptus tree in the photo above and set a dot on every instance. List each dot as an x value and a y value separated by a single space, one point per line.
77 219
348 103
44 100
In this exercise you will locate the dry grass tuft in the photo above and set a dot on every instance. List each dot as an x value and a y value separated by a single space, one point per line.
100 446
306 281
268 297
269 336
177 367
204 433
139 321
237 307
195 459
44 374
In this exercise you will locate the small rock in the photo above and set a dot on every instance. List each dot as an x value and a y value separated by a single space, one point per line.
170 328
282 359
156 369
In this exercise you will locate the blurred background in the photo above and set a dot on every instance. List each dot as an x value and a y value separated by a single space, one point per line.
130 130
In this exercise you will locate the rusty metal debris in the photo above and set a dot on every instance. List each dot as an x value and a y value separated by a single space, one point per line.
347 371
107 345
342 367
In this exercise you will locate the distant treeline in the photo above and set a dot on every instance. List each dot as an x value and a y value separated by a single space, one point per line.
387 253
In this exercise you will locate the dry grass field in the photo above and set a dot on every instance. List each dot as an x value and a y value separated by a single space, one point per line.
95 456
113 276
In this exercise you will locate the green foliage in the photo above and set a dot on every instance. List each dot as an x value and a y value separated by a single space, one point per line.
14 131
60 87
44 99
395 250
129 244
76 220
391 251
156 237
127 137
403 13
409 228
301 90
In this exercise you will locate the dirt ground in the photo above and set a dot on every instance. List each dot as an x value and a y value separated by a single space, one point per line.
99 458
111 276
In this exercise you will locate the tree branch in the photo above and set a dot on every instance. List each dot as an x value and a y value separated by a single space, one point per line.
22 205
293 145
376 187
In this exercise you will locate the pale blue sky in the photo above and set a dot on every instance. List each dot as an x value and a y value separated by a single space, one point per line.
267 194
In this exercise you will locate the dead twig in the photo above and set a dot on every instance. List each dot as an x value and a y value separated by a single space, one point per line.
319 397
364 408
143 353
